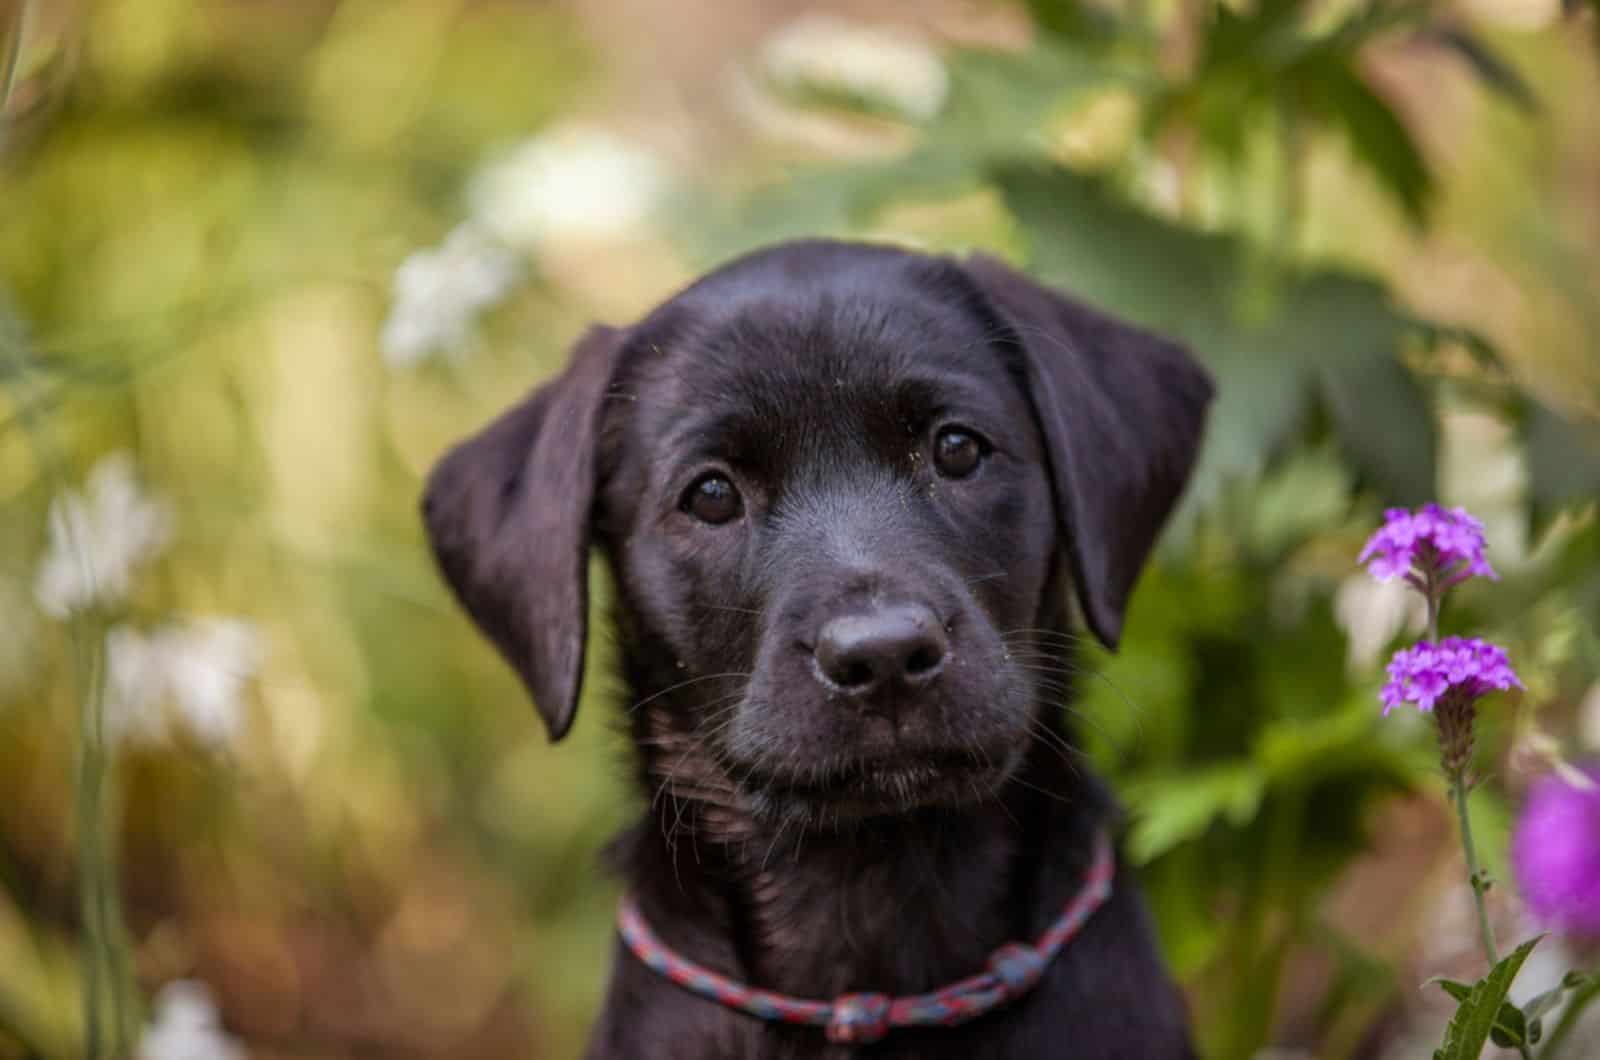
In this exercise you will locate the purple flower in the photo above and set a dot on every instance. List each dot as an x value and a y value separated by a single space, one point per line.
1425 672
1433 541
1556 852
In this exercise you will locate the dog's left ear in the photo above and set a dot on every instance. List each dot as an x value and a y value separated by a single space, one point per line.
1122 411
509 514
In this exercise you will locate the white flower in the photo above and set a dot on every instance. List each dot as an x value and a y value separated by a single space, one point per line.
572 183
1372 613
135 687
439 293
98 537
825 53
201 669
186 1026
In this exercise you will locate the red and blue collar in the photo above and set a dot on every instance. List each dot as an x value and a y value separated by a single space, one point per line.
1011 971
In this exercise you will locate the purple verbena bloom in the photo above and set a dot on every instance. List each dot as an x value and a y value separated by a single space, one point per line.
1450 542
1556 853
1423 673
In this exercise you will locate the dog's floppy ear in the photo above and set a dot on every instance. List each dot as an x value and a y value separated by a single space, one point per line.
508 512
1122 411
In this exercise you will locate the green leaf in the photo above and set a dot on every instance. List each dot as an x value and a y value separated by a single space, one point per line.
1479 1013
1495 72
1071 18
1377 136
1512 1025
1309 491
1563 459
1383 418
1172 809
999 101
1586 990
1316 335
1540 1004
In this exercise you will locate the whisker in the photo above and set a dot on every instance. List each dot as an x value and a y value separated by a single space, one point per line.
683 684
1056 795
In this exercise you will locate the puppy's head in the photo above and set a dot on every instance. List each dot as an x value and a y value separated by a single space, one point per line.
835 482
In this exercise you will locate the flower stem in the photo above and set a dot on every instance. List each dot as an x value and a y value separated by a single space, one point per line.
1458 794
1459 723
1432 594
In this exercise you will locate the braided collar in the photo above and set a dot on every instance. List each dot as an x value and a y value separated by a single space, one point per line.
1012 970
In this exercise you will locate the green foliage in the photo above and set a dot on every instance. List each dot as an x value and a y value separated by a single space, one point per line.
1484 1011
1584 989
1315 337
1177 809
196 254
1251 760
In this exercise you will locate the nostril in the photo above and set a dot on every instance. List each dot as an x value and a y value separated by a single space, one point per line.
923 659
854 675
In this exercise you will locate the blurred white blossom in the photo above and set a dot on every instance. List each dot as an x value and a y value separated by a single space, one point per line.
879 66
1373 613
98 537
438 294
572 183
200 669
186 1026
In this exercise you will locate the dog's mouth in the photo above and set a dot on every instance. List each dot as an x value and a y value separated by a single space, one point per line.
875 787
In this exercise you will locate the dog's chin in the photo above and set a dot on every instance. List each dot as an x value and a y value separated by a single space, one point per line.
835 793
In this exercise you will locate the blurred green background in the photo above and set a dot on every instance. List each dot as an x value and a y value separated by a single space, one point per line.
261 261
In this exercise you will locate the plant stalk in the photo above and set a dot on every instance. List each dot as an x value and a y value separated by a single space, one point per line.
1458 794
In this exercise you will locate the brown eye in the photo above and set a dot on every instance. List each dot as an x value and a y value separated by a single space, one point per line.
712 499
957 452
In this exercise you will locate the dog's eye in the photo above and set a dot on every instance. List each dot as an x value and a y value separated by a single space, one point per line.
712 499
957 452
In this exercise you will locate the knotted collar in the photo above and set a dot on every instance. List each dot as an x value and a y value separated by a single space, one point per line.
1011 971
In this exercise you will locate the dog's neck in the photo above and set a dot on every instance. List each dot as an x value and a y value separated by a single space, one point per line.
900 905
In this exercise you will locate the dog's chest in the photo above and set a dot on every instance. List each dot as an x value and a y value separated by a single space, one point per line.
1052 1022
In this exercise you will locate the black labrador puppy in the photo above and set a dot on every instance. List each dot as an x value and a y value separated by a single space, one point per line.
846 491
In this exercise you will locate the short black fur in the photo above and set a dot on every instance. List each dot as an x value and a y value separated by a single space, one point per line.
846 697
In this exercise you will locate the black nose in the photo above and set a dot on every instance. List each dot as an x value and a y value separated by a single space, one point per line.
901 644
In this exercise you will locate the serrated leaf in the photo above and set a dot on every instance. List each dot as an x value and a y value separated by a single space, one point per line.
1475 1018
1511 1025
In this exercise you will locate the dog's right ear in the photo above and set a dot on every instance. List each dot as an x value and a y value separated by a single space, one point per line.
508 512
